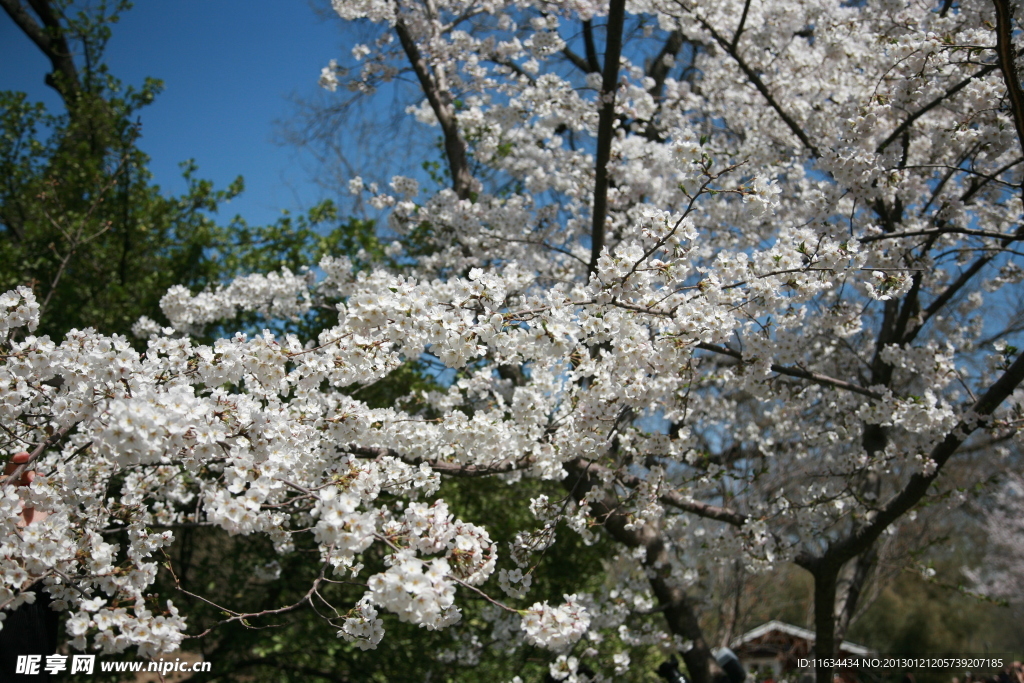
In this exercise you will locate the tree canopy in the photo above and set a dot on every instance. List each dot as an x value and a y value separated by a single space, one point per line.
727 285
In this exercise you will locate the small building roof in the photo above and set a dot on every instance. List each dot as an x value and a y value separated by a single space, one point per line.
846 647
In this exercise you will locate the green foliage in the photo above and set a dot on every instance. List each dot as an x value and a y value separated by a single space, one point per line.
82 223
296 242
915 616
80 220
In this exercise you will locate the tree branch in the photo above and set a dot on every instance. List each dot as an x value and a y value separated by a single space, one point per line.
739 29
1007 64
915 489
679 610
49 38
606 126
909 121
576 60
593 66
936 231
947 294
36 452
440 102
453 469
659 68
672 498
824 380
756 81
850 588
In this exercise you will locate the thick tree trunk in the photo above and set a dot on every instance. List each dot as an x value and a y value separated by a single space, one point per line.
825 577
850 588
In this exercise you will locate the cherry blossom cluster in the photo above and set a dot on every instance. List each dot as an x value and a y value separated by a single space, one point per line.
555 627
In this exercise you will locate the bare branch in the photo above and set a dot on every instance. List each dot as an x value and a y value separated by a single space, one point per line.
576 60
659 68
593 65
49 38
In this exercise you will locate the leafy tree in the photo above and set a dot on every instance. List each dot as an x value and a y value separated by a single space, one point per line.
82 222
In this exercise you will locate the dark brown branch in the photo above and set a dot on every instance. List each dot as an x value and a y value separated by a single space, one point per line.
963 279
669 497
947 294
850 589
49 38
977 186
1007 64
593 66
909 121
244 617
824 619
606 126
576 60
992 178
440 102
756 81
456 470
739 29
824 380
915 489
936 231
450 468
937 189
659 68
825 568
36 452
679 610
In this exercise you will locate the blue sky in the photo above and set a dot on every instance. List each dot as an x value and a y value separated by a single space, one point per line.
228 68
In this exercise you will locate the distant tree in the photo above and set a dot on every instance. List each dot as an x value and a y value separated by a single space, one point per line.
1000 573
80 220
